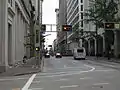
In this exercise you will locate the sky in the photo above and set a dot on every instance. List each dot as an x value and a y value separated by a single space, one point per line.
49 17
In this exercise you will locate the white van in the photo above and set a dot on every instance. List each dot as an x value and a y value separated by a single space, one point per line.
79 53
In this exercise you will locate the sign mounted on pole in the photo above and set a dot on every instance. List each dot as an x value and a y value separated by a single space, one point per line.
111 25
117 25
66 27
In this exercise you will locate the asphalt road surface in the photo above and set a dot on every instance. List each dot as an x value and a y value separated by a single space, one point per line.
68 74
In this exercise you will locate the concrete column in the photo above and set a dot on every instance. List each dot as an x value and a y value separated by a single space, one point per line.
103 43
95 46
88 47
116 43
4 35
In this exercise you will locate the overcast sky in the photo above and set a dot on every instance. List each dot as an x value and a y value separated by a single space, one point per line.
49 17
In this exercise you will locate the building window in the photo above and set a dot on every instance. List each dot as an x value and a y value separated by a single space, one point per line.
81 23
81 15
37 36
81 7
10 2
81 1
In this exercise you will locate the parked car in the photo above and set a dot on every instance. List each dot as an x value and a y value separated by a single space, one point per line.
58 55
47 55
79 53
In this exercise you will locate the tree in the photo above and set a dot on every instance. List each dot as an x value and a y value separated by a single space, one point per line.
101 11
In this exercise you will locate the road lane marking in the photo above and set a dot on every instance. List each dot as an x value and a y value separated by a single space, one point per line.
36 89
92 68
85 78
13 79
105 70
65 66
69 86
27 85
62 80
96 84
36 82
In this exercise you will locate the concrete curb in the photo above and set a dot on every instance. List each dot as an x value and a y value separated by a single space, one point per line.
114 60
20 74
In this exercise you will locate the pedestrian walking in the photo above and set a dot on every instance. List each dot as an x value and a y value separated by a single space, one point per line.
24 59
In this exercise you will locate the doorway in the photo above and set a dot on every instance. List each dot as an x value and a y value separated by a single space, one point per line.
9 44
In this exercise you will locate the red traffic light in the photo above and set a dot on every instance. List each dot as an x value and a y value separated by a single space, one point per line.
67 28
109 25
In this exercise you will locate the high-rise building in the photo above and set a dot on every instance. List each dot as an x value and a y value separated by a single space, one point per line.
76 18
62 20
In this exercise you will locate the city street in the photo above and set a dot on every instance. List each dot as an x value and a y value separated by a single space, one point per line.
68 74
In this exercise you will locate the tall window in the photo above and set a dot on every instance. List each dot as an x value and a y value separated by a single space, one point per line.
37 36
81 15
10 2
81 23
81 1
81 7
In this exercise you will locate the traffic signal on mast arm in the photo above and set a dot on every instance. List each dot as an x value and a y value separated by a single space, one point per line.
42 38
37 48
109 25
66 27
43 27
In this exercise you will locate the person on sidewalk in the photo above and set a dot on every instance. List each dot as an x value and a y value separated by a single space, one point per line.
109 52
24 59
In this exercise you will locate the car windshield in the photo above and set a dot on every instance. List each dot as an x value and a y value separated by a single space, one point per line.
59 44
80 50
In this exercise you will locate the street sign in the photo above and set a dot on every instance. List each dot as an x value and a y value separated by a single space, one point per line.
117 25
111 25
66 27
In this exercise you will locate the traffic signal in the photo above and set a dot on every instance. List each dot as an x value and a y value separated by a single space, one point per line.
66 27
42 39
37 48
109 25
43 27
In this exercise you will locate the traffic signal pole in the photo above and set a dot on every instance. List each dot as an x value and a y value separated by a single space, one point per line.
40 34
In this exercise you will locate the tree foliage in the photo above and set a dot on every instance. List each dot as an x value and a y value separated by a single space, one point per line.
101 11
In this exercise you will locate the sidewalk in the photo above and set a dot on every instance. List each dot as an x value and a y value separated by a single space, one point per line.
23 69
115 60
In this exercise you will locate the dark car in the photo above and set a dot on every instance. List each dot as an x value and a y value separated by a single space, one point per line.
58 55
47 55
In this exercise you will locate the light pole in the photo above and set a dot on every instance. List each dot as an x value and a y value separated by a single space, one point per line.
40 24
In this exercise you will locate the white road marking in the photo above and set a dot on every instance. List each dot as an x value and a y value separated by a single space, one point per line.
104 70
93 68
36 82
65 66
85 78
69 86
100 84
62 80
36 89
13 79
29 82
